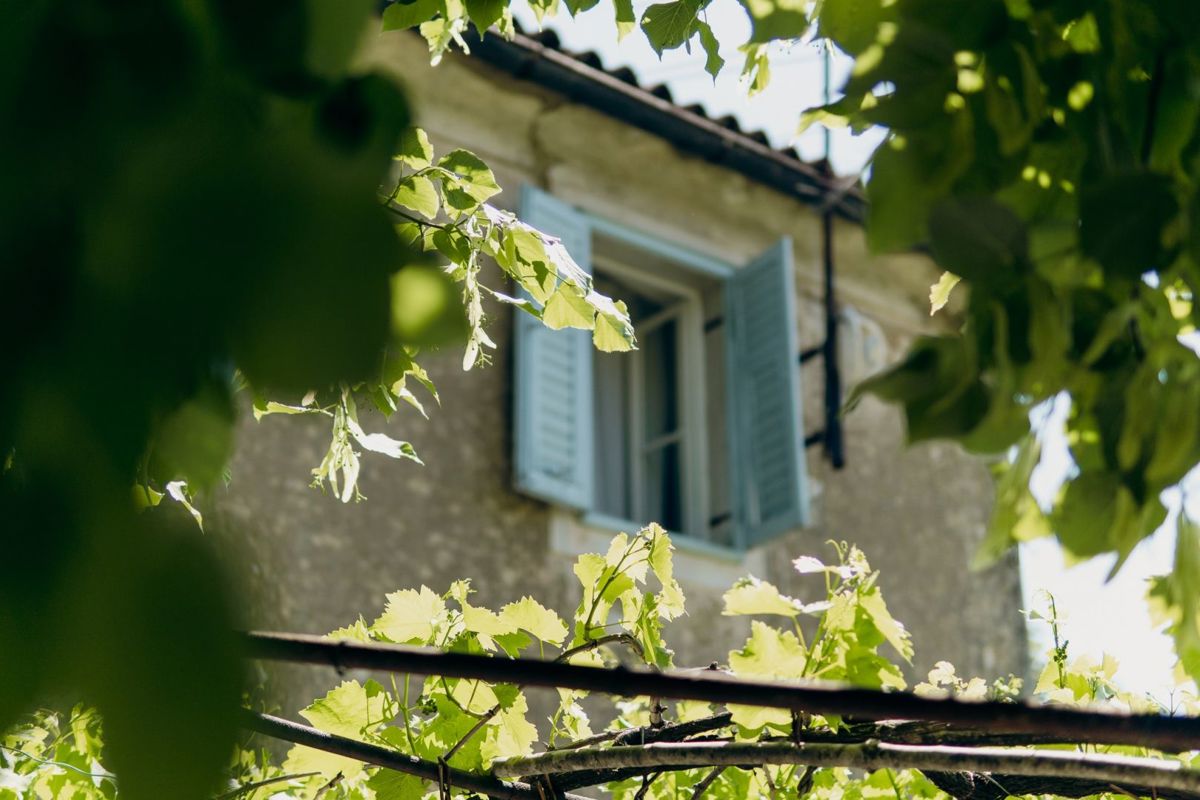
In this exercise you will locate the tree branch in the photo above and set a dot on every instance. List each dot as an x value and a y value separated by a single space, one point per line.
675 732
633 737
603 736
895 731
969 786
920 732
1171 734
390 759
597 777
1157 773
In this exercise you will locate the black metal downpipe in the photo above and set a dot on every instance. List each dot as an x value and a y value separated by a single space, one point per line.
832 438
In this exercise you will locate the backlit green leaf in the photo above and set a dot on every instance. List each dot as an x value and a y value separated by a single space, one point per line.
389 785
625 18
753 596
769 653
531 616
411 617
613 333
510 733
939 293
348 709
413 149
712 49
358 632
670 25
872 603
485 621
476 182
417 192
568 308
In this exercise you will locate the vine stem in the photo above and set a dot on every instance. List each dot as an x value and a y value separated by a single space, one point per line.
250 787
308 736
612 638
484 720
587 623
1156 773
1155 731
707 781
60 764
413 218
647 779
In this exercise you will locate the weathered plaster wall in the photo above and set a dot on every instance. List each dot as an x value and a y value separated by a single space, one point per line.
314 564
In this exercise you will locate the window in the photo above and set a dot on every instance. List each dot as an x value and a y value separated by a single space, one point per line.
699 428
647 430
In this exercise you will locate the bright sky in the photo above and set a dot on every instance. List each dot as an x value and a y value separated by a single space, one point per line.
1099 617
797 78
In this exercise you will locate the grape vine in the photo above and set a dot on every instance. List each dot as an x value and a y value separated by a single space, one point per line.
409 737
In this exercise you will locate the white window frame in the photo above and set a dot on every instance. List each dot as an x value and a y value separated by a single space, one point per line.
693 446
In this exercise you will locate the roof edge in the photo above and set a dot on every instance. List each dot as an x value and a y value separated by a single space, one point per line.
526 58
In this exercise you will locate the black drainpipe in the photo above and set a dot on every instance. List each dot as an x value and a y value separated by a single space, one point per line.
830 436
833 378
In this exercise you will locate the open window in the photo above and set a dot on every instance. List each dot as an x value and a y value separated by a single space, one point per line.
647 428
699 429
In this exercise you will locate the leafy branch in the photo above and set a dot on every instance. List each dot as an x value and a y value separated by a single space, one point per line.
447 219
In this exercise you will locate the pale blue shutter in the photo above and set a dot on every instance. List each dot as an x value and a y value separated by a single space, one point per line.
553 399
766 438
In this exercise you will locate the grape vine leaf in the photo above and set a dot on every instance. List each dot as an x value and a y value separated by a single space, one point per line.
410 616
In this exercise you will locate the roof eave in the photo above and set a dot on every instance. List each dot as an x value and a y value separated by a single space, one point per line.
526 58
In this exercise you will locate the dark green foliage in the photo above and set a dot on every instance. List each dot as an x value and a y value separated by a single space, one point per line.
187 186
1045 153
1121 222
979 239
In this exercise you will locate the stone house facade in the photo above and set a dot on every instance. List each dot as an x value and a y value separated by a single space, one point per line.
671 227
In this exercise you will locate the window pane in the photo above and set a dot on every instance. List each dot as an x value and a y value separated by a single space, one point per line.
660 373
664 496
612 434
